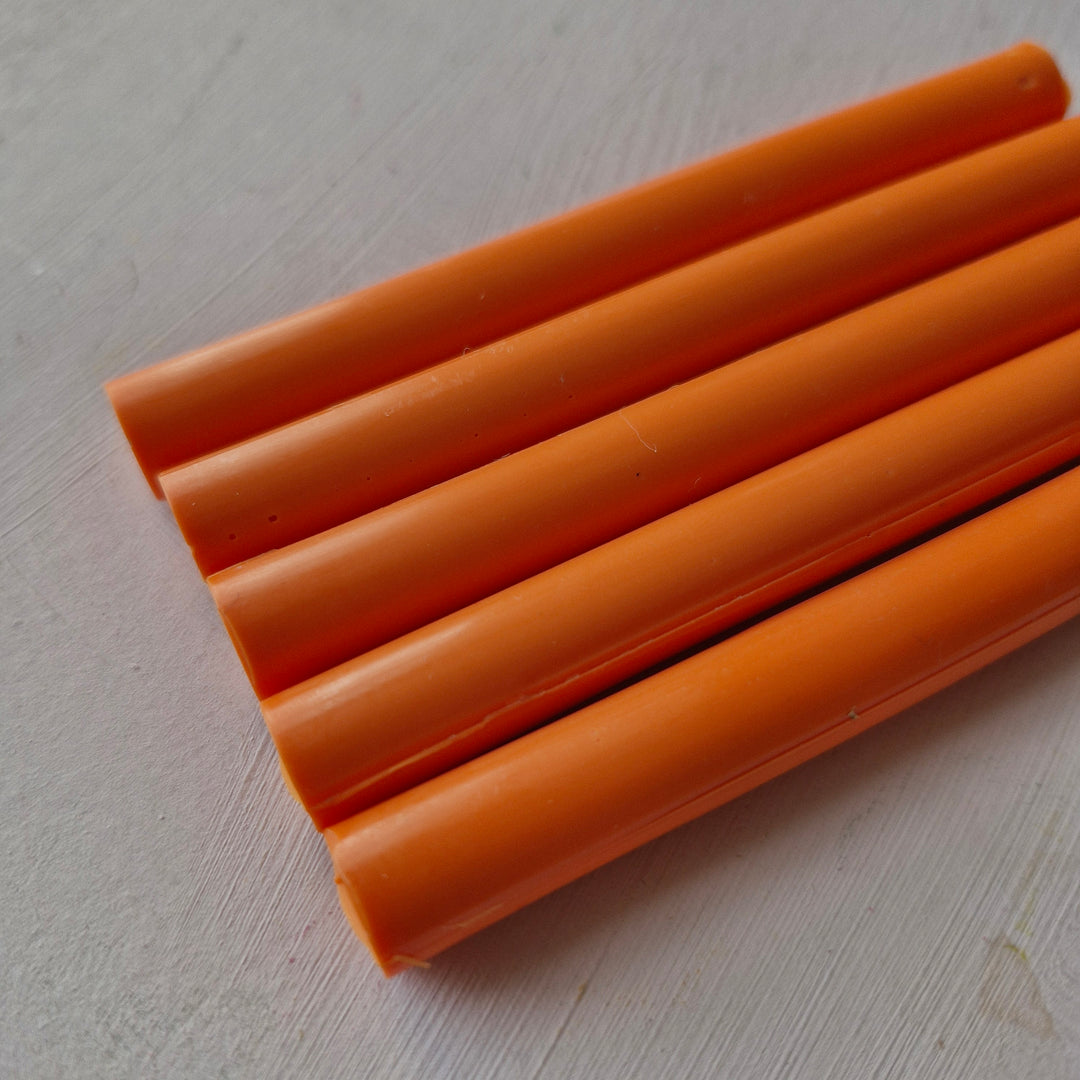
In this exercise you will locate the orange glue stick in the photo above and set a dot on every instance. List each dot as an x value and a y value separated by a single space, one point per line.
195 404
382 446
425 702
302 609
437 863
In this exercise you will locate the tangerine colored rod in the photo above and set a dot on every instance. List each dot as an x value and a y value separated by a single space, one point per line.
437 863
382 446
302 609
421 704
217 395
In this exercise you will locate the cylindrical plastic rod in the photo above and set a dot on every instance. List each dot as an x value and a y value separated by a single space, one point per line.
441 861
374 449
430 700
300 610
197 403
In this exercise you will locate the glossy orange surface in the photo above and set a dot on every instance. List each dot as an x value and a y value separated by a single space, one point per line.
302 609
455 688
384 445
439 862
199 402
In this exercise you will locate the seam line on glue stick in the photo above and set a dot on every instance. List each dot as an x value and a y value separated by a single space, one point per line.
681 627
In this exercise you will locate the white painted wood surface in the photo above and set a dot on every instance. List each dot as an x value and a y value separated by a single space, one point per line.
907 906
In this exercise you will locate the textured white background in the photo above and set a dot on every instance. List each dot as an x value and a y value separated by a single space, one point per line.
906 906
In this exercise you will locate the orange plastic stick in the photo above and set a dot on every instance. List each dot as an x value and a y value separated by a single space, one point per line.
207 399
302 609
433 865
379 447
421 704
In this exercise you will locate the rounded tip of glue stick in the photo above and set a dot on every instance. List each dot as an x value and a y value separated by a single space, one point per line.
1043 71
220 598
290 784
120 393
356 915
353 912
